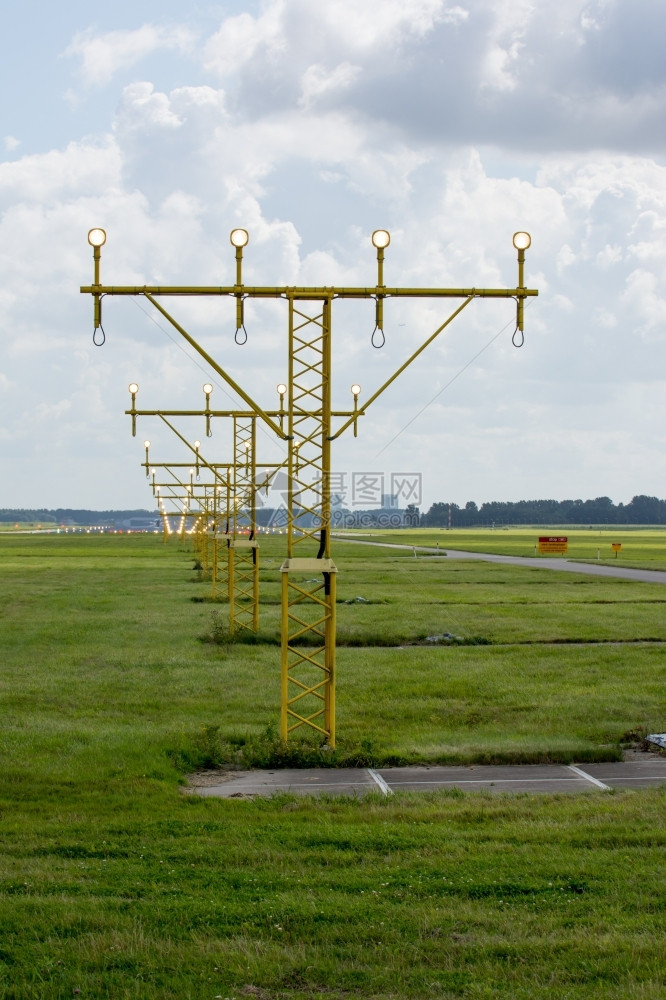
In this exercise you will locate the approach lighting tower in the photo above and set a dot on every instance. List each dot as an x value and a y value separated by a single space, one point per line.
308 572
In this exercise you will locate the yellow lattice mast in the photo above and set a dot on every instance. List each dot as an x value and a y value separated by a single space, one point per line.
308 573
243 545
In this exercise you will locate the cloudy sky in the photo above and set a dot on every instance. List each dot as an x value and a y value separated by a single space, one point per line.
312 124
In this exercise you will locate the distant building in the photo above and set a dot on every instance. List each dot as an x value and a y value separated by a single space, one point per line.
389 501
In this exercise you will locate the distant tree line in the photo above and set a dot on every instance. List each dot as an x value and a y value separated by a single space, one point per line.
66 515
640 510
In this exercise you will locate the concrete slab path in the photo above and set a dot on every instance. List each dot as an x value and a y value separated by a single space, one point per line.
637 771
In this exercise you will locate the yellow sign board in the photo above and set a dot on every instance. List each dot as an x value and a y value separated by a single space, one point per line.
553 545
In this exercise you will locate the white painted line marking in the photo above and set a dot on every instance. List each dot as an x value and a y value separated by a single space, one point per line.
588 777
384 788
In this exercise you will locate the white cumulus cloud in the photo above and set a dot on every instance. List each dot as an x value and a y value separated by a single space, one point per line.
317 81
101 56
311 124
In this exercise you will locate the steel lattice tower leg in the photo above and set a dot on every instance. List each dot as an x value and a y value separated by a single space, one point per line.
308 573
219 531
224 534
244 552
200 539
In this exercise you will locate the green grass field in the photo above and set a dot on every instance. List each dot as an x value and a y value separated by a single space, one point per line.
640 547
643 548
115 884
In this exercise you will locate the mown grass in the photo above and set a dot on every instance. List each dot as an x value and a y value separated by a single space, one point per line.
115 884
102 634
137 894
